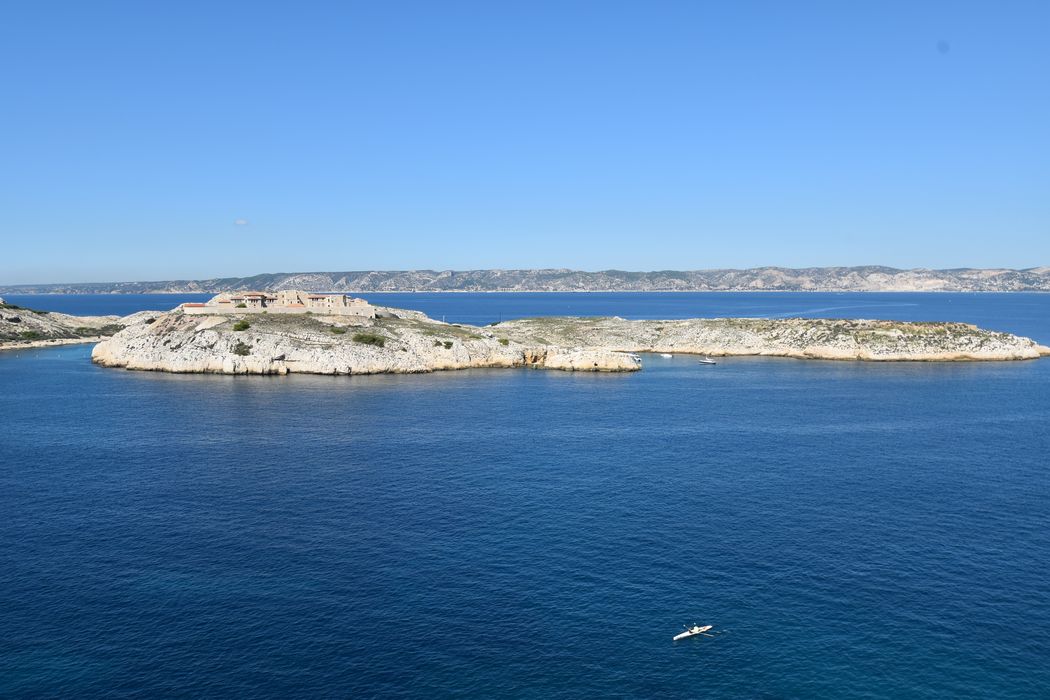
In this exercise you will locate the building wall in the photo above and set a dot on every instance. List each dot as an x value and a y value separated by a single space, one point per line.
288 297
288 301
360 310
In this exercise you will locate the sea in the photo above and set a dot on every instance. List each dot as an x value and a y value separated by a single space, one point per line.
849 529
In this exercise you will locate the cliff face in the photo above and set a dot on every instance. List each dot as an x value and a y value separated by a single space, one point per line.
871 278
407 341
397 342
830 339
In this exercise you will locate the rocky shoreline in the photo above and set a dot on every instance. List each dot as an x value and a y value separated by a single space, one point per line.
399 341
801 338
50 343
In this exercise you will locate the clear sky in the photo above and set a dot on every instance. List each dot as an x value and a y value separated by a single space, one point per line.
157 140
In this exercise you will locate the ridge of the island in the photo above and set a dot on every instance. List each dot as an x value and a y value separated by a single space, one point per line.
293 331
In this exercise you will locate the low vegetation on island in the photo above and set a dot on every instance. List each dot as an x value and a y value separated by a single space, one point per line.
370 339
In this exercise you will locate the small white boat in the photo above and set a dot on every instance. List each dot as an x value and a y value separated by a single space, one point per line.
692 632
706 361
667 355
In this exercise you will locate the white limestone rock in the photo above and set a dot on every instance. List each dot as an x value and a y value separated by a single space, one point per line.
829 339
408 343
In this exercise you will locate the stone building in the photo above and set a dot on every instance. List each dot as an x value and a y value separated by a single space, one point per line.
254 300
288 301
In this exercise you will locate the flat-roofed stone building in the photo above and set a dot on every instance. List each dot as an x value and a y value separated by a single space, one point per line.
286 301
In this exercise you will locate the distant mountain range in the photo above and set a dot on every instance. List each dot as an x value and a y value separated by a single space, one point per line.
816 279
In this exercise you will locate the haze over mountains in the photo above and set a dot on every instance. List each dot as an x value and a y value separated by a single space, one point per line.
844 279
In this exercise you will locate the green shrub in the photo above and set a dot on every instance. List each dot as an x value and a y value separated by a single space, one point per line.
30 335
447 344
437 343
241 306
40 313
241 326
504 341
369 339
110 329
242 349
337 330
149 321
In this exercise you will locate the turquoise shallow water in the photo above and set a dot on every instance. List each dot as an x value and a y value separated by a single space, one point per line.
851 530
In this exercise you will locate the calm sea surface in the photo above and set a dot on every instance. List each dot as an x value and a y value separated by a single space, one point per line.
850 529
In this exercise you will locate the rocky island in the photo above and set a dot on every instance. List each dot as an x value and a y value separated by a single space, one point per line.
245 341
30 328
223 337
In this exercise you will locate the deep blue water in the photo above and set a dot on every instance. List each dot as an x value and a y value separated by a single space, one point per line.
850 529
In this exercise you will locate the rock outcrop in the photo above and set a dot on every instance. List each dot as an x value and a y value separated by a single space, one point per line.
394 342
828 339
406 342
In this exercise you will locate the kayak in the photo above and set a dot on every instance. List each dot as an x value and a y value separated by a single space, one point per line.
692 632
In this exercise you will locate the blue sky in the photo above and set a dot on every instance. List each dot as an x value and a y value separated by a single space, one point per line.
198 139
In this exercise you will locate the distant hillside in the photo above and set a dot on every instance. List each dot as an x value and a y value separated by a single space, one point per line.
838 279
